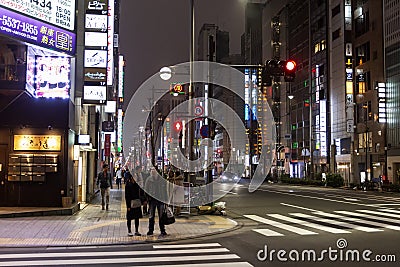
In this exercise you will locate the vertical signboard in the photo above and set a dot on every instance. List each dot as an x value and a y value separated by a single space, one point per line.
110 38
107 145
96 53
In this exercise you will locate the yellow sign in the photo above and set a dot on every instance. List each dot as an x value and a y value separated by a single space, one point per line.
37 142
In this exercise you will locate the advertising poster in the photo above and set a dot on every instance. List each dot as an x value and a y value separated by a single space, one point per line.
52 77
60 13
36 32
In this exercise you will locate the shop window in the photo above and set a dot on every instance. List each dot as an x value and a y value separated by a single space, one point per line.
362 53
361 24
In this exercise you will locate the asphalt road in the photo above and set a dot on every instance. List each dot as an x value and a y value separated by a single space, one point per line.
280 226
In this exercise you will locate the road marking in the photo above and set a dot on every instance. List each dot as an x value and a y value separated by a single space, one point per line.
228 192
390 210
205 245
319 198
298 207
267 232
309 224
367 216
336 222
119 260
289 228
111 253
380 213
351 199
351 219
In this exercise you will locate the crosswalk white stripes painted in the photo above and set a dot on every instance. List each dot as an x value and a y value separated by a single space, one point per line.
207 254
280 225
337 222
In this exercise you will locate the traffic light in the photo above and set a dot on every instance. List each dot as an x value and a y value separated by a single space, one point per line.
289 70
176 89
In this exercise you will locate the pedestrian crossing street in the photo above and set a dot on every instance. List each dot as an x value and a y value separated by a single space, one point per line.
337 222
161 255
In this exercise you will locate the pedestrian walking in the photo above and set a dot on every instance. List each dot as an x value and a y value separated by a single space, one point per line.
118 178
104 180
140 180
155 191
133 205
127 175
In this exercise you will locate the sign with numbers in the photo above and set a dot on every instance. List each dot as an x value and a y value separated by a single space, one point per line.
36 32
56 12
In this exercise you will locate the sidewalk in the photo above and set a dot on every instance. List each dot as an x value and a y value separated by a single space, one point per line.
94 226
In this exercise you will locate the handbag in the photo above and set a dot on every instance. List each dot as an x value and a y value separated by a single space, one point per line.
167 216
136 203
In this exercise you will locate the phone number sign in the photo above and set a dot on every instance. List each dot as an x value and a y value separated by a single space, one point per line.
57 12
36 32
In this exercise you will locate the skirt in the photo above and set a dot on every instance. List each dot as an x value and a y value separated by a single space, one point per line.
134 213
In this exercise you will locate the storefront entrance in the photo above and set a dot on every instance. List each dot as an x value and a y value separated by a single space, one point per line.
3 178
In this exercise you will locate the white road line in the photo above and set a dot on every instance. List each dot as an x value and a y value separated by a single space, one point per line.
267 232
111 253
380 213
297 207
351 199
189 245
118 260
351 219
367 216
221 264
319 198
228 192
388 204
335 222
390 210
290 228
309 224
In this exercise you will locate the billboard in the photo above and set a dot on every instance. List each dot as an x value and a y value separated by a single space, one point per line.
95 75
95 59
36 32
95 93
56 12
52 77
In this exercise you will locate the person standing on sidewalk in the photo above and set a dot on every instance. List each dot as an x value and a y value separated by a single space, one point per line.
104 180
153 187
118 178
132 192
140 180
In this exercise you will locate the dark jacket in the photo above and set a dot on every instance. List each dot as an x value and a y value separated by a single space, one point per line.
104 181
132 191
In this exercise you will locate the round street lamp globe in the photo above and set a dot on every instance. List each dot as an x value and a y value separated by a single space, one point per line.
165 73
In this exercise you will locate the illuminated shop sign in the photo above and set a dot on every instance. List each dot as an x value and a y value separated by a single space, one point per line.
52 77
96 6
36 32
37 142
120 126
95 75
110 48
95 59
98 22
97 93
57 12
121 76
98 39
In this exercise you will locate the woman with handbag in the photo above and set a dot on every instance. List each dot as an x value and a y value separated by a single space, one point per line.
133 204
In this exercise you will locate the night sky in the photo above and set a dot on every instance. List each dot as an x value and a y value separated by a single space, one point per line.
156 33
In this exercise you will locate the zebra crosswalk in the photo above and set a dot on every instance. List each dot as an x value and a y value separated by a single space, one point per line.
315 222
162 255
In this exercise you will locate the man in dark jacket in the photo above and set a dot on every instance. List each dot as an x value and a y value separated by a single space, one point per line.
104 180
154 190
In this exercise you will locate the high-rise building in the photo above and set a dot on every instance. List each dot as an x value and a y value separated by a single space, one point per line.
391 27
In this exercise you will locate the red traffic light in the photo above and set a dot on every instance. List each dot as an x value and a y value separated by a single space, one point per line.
290 65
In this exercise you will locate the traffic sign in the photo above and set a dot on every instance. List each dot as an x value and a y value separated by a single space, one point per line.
204 132
198 111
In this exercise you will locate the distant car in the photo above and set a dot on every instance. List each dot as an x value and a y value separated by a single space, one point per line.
228 177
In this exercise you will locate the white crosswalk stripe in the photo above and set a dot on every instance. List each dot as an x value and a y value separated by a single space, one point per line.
207 254
338 222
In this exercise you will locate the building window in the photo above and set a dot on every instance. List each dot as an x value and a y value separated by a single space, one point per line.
336 10
363 83
362 24
335 34
362 54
